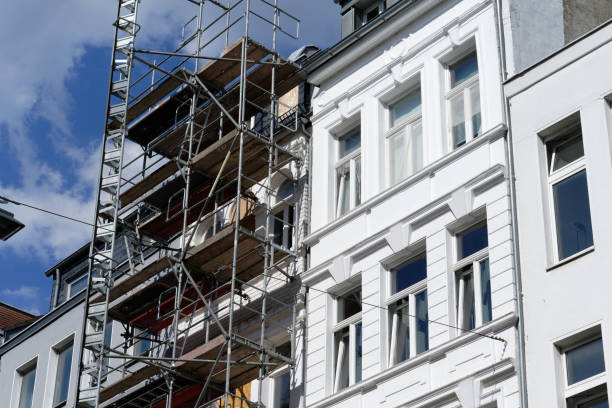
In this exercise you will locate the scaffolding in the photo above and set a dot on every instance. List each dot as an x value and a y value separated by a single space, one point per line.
195 250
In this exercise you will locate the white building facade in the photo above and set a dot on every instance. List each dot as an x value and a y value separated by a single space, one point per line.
563 166
412 297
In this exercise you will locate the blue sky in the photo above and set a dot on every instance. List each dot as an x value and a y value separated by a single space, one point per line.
52 98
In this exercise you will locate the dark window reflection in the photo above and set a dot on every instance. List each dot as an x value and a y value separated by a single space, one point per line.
573 216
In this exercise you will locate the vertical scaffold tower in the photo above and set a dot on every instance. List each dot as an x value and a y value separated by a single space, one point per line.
193 288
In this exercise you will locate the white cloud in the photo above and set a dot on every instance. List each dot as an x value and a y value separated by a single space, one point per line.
42 44
23 292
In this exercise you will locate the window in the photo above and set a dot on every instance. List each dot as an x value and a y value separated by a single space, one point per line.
282 390
347 340
464 100
570 197
584 373
26 390
77 285
142 342
348 172
408 309
405 137
284 218
473 281
108 334
62 377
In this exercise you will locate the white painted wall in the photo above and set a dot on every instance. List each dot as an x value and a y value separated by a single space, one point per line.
40 347
459 369
566 299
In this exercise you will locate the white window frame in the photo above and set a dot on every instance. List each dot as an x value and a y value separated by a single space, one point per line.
405 126
410 293
474 261
275 377
339 349
57 349
350 159
71 294
555 177
465 89
19 376
594 381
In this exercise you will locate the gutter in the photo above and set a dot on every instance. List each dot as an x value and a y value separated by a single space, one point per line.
518 287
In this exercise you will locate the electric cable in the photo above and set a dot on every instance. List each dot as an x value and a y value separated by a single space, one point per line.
305 286
362 303
2 198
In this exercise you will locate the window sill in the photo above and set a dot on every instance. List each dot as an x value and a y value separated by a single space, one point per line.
571 258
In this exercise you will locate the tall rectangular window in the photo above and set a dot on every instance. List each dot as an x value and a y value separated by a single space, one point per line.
282 390
570 197
463 100
584 374
284 215
473 281
348 172
407 304
347 340
77 285
26 390
62 376
405 137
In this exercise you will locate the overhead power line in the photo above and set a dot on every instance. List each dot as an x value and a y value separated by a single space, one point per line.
362 303
8 200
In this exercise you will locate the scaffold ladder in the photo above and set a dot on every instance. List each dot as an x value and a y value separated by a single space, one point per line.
93 368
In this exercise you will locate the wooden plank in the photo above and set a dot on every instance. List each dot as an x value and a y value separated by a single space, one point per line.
146 184
127 382
125 285
152 97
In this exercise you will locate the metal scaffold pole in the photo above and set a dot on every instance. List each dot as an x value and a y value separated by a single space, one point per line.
182 258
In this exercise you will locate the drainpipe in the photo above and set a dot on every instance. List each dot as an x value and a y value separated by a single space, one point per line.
513 210
56 287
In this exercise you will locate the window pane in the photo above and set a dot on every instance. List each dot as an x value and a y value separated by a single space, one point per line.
142 343
349 305
409 105
600 402
472 240
344 188
350 143
62 379
567 152
485 291
397 156
27 388
458 120
289 227
466 315
422 329
475 105
416 146
342 359
573 215
78 285
358 181
278 227
285 190
412 272
585 361
464 69
358 352
284 390
402 332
